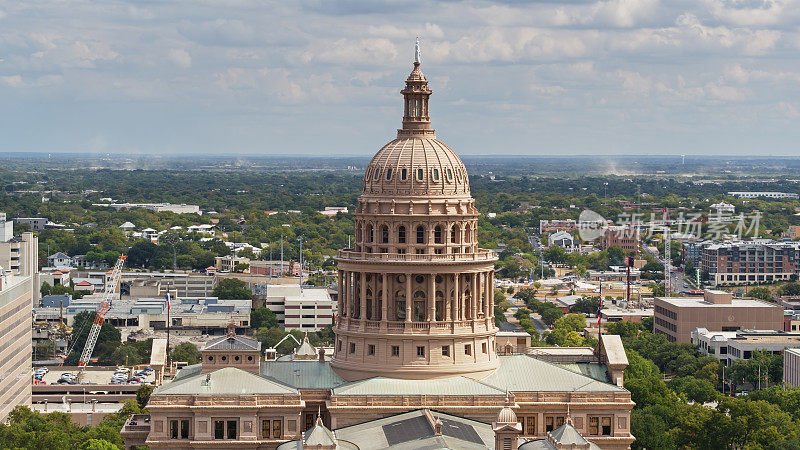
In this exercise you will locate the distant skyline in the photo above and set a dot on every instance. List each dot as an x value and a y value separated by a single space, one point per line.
319 77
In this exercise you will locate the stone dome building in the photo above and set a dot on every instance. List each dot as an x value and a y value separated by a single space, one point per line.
416 291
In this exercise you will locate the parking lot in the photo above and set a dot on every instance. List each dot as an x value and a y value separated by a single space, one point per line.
91 375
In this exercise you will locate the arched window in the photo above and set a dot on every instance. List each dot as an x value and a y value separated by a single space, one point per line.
467 234
420 234
377 174
435 174
370 233
401 235
449 174
453 234
420 173
419 294
437 235
404 174
389 174
384 234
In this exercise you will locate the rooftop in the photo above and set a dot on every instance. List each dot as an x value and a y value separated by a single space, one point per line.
699 302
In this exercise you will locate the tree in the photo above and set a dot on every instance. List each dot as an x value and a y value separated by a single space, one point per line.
571 322
185 351
623 328
98 444
143 394
761 293
657 289
789 289
550 315
263 317
45 289
232 288
586 305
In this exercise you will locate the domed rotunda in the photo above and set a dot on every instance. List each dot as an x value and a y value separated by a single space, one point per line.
415 291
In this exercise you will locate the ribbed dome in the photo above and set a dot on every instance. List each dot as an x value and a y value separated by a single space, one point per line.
506 415
416 166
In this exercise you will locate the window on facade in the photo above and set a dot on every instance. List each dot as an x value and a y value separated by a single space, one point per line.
553 422
445 350
388 174
219 429
420 234
420 351
230 427
403 174
449 174
435 174
370 349
401 235
437 234
339 346
594 426
453 234
395 350
352 347
605 426
271 429
420 173
384 234
529 425
377 174
466 235
277 428
468 349
483 347
370 233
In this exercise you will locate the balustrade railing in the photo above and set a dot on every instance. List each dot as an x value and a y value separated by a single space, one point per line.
480 255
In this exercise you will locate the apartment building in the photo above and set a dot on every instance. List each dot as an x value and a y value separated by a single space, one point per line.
677 317
551 226
729 346
791 366
16 300
754 261
627 238
155 284
763 194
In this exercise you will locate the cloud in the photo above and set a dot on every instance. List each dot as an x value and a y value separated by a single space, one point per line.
180 58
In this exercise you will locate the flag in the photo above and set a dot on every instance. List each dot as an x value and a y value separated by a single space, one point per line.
599 309
168 305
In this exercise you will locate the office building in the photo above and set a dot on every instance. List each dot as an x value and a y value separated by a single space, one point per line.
677 317
791 367
306 309
16 300
627 238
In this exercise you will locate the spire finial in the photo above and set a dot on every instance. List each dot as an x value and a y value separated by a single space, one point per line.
319 416
417 57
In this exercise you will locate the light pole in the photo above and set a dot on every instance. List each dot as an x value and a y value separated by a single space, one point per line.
301 262
605 192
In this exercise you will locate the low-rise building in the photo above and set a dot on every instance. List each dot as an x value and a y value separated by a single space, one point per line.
550 226
728 346
792 232
764 194
562 239
723 208
676 317
59 259
157 284
35 223
627 238
306 309
228 262
157 207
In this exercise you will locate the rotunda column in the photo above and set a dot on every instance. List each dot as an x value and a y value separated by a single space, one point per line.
339 292
363 303
408 299
431 298
456 297
473 306
384 297
489 294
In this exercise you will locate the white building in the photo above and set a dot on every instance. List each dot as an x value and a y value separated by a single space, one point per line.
157 207
791 366
723 208
59 259
765 194
728 346
306 309
562 239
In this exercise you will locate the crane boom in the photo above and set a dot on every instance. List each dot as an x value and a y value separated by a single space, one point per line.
102 309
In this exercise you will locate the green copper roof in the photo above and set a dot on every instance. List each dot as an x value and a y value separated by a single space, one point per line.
225 381
527 374
394 386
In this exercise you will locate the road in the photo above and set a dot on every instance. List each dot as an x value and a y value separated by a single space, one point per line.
678 279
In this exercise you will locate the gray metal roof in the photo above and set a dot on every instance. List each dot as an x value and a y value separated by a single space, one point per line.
300 374
225 381
395 386
232 343
527 374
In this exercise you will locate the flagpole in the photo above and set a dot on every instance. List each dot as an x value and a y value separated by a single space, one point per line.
168 325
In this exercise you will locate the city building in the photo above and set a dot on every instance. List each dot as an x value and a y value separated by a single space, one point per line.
157 207
764 194
791 367
627 238
228 263
157 284
414 332
562 239
792 232
692 250
306 309
59 259
35 223
274 268
16 300
754 261
6 228
723 208
332 211
551 226
677 317
729 346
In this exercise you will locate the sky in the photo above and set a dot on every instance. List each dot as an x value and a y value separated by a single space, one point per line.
322 77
